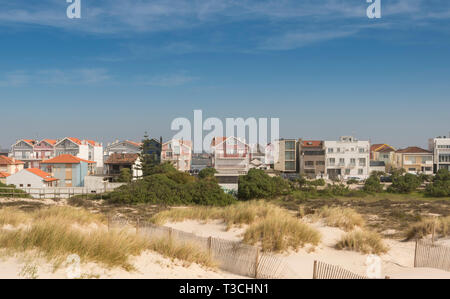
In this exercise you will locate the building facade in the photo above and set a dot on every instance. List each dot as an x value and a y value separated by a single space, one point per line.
23 150
383 153
116 162
84 149
10 165
69 170
440 147
414 160
178 153
31 178
287 151
312 158
346 158
230 155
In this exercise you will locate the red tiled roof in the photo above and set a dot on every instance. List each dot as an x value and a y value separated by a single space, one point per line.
311 143
9 161
413 150
73 139
50 141
4 174
138 144
117 158
46 176
30 141
66 159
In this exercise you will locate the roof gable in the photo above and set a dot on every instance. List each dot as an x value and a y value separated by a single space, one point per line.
66 159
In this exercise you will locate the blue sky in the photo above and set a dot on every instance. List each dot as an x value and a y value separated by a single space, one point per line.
321 66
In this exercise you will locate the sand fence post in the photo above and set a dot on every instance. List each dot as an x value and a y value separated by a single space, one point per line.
415 253
315 270
256 262
210 245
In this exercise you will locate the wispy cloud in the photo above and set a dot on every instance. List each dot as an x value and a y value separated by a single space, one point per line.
84 76
283 20
167 80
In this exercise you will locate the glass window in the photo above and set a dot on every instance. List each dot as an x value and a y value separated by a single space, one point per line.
331 161
360 171
290 145
330 150
362 162
289 166
290 155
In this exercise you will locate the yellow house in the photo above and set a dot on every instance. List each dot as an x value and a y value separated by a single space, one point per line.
414 160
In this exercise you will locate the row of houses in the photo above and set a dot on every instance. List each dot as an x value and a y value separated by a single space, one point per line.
67 162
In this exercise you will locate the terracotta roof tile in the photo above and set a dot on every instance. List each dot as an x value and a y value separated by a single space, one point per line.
4 174
66 159
312 143
413 150
46 176
9 161
118 158
50 141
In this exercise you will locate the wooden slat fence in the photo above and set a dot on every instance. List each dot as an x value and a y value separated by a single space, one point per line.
232 256
326 271
431 255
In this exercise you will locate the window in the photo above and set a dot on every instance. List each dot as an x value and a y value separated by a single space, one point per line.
444 158
289 166
360 171
331 161
352 162
320 162
411 169
21 185
385 156
290 145
330 150
361 150
347 171
338 150
289 155
362 162
28 185
341 161
425 159
309 163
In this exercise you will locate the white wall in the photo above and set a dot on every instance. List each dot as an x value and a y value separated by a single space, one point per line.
26 178
348 150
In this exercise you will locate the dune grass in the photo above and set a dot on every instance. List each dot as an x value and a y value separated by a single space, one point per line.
344 218
364 241
236 214
51 232
278 233
425 227
186 252
274 228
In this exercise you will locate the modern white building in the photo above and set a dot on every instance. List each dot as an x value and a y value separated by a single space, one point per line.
440 147
347 157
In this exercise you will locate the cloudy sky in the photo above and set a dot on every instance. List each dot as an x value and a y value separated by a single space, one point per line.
321 66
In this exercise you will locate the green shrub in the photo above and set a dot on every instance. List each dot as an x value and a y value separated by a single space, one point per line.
404 183
171 188
373 184
6 189
257 184
440 187
207 173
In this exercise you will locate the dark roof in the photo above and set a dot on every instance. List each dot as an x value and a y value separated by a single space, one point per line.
117 158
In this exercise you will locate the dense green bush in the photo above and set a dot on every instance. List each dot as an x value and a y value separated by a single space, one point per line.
207 172
171 187
440 187
373 184
404 183
257 184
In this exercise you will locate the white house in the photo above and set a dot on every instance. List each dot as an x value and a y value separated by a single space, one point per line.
31 178
441 149
231 155
179 153
347 157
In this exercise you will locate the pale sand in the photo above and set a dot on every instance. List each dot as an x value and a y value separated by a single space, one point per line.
149 265
397 263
